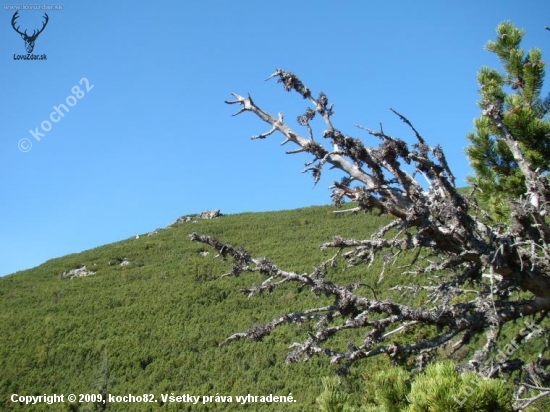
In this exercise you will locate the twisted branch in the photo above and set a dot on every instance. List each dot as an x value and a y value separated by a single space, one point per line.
462 245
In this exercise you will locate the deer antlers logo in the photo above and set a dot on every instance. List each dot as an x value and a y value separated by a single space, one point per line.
29 40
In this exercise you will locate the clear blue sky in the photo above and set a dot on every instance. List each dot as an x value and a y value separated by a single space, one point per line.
153 140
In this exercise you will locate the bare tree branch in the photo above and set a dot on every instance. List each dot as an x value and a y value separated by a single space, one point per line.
474 267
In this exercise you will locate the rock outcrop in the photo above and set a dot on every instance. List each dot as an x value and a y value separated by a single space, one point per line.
207 214
76 273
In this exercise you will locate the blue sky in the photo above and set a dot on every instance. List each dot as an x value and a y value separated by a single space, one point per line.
152 139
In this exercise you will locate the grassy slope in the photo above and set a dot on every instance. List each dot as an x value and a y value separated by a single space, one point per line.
156 323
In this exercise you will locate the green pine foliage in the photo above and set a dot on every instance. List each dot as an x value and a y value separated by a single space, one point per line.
519 92
333 399
438 389
391 388
441 389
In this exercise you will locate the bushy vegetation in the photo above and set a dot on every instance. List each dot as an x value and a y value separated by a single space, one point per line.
153 326
438 389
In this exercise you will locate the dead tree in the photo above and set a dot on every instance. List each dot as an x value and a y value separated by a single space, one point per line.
481 262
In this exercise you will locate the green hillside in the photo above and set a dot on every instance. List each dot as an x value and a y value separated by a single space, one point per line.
152 324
